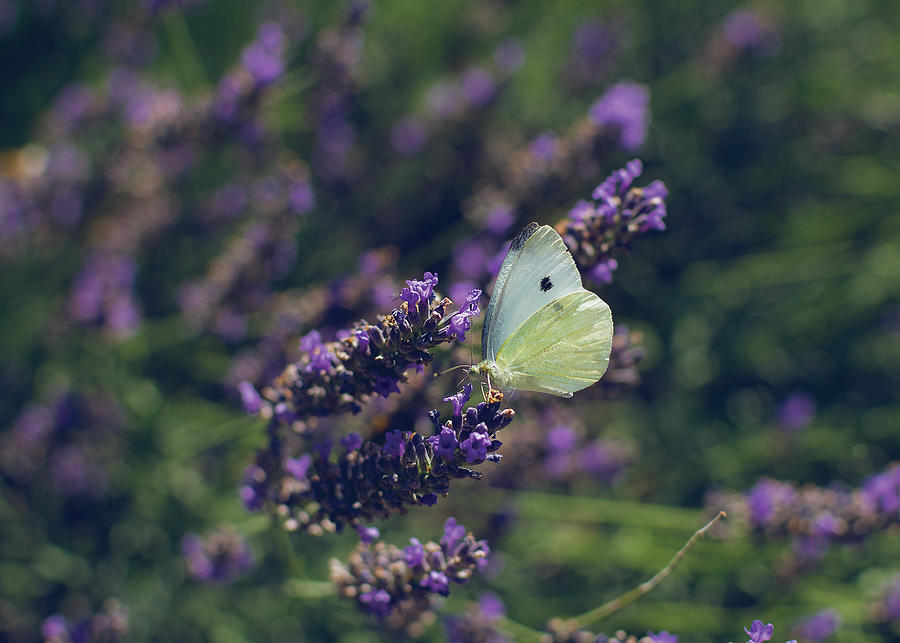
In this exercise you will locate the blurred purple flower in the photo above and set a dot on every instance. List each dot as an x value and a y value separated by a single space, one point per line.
748 30
625 106
220 556
819 627
408 136
263 58
477 86
758 632
662 637
796 412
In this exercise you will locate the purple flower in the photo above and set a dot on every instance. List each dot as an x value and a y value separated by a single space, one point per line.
758 632
593 43
408 136
582 210
55 628
453 533
263 58
445 443
459 399
367 534
544 146
250 399
476 445
437 582
662 637
625 106
477 86
747 30
378 602
320 358
603 271
352 441
417 291
796 412
385 385
767 498
604 459
561 439
460 321
394 444
299 467
218 557
818 627
414 553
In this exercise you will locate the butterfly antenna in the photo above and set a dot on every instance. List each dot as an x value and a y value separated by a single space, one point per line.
452 368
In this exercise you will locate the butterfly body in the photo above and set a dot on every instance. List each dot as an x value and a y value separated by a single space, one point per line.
543 331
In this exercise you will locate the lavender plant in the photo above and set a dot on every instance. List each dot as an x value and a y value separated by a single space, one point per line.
814 517
398 586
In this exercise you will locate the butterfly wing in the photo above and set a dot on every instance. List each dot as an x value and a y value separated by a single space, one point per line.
560 349
537 270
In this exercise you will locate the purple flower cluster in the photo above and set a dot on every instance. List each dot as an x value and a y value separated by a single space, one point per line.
618 214
238 281
745 31
368 480
398 586
337 56
624 107
752 31
73 438
567 631
124 196
107 626
218 557
41 193
818 627
103 293
594 45
478 623
796 412
813 516
372 359
551 162
455 99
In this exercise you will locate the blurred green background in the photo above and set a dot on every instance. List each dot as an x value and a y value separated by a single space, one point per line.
779 274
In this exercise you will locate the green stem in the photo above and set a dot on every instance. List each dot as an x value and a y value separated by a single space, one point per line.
185 50
599 613
519 631
302 588
283 542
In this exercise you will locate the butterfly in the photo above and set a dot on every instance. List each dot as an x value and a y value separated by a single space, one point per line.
543 331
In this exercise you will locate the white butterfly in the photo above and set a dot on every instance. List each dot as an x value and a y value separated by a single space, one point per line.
543 331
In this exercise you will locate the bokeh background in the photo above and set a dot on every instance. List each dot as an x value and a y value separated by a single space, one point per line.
186 188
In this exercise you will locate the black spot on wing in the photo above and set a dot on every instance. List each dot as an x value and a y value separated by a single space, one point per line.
523 236
546 284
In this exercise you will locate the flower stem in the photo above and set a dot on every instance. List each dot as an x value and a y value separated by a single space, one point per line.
185 50
599 613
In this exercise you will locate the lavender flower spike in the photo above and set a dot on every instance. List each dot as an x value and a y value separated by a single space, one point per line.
625 106
374 481
397 586
620 213
340 376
